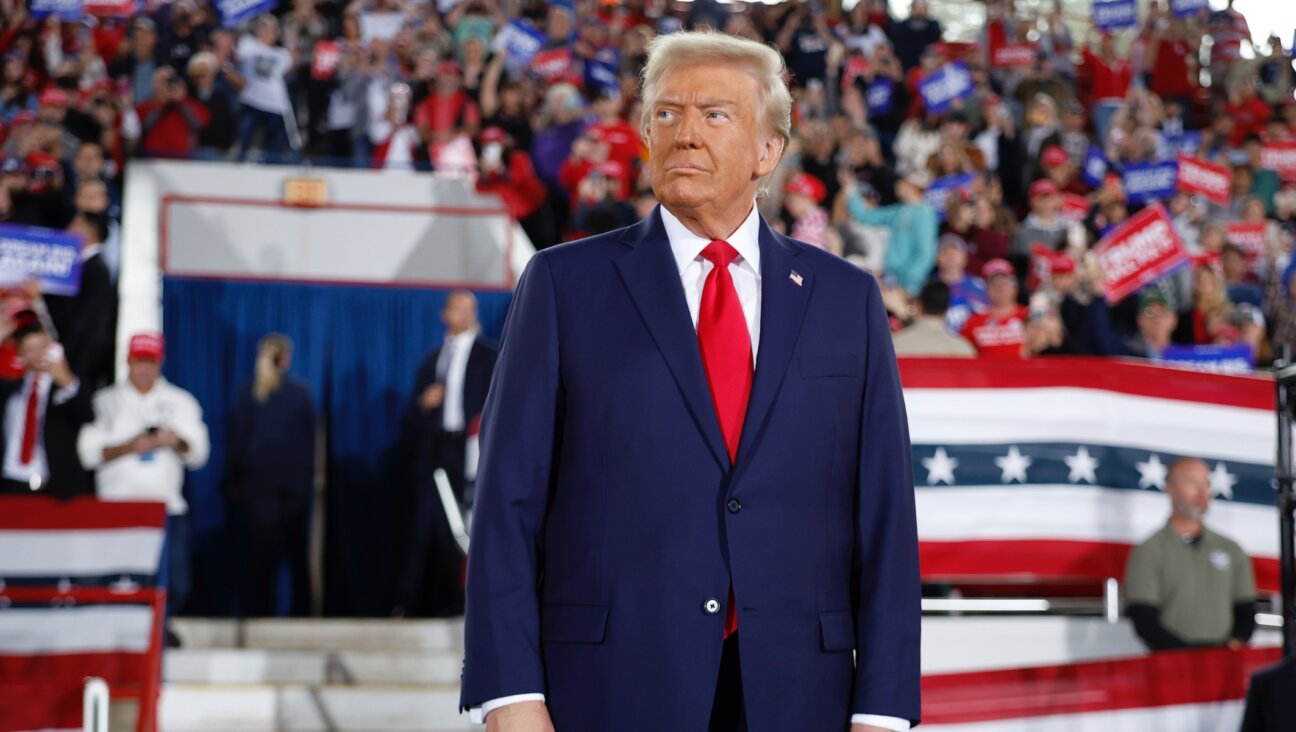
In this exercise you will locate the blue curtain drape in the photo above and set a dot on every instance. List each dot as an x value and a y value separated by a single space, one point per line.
357 349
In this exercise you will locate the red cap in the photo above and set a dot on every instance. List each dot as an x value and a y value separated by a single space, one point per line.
611 169
493 134
1043 188
1062 264
38 160
53 97
807 185
150 346
1114 179
997 267
1053 156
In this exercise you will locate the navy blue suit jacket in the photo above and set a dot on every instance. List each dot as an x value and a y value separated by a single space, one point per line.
608 514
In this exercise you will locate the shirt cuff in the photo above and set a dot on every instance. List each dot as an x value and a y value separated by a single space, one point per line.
877 720
477 715
65 394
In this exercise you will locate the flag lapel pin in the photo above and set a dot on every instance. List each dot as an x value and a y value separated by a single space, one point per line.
796 278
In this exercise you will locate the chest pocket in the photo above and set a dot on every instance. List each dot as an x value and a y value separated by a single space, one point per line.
815 367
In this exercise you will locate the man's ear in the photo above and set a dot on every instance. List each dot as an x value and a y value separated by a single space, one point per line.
771 151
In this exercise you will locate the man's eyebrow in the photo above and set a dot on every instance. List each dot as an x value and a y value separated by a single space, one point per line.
705 102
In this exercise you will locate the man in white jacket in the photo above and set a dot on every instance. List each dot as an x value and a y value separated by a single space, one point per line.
146 433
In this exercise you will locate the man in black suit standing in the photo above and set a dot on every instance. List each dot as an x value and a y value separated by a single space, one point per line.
41 413
86 322
449 394
1271 703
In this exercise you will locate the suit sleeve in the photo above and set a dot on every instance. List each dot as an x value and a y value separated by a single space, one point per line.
518 436
888 612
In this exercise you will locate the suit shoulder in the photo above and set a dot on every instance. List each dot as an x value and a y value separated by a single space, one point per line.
582 251
1280 674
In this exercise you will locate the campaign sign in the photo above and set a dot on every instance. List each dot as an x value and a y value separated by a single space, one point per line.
1148 182
111 8
1188 143
68 10
1095 167
520 42
1014 54
942 87
601 71
1249 236
1236 359
1281 158
880 96
855 67
1143 249
233 12
1182 8
938 194
1208 180
51 256
1074 208
1115 14
553 65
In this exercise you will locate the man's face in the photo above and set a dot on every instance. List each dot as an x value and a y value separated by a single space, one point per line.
705 141
950 258
92 197
459 314
1002 291
1064 282
1233 263
1156 322
143 372
1046 205
88 162
32 348
1188 486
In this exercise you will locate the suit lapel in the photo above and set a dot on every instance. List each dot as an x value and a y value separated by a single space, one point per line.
653 280
783 306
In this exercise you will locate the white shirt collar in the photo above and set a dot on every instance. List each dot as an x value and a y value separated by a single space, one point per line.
90 250
467 336
687 246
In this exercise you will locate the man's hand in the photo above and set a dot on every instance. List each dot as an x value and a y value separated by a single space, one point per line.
167 437
528 716
432 397
143 443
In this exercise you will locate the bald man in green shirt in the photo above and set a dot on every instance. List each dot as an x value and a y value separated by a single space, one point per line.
1187 586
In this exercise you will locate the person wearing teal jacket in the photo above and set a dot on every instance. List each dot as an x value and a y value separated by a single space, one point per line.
911 253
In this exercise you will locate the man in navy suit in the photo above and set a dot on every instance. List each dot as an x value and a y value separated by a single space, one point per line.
695 505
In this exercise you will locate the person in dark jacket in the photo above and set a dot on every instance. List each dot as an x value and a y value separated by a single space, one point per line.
87 321
271 473
1270 703
449 395
41 412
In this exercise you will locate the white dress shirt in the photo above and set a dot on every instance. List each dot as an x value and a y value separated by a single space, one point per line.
36 472
746 273
122 412
452 365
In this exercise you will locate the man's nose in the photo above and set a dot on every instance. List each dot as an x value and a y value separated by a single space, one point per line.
688 134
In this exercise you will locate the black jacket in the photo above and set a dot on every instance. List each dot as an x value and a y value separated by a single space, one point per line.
62 424
1271 700
86 324
272 443
424 426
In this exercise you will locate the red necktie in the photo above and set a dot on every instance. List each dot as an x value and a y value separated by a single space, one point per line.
727 356
29 425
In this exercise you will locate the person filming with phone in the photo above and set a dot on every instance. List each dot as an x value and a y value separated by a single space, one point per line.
43 409
146 432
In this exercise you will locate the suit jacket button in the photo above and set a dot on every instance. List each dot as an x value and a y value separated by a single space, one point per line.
711 606
734 505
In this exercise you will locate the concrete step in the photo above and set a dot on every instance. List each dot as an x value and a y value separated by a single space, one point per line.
310 634
265 666
304 708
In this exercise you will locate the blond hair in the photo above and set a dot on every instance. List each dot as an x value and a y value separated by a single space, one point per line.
676 50
271 363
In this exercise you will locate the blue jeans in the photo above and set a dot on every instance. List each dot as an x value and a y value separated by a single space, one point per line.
173 569
252 119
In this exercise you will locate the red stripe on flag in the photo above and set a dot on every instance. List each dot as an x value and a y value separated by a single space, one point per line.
1161 679
44 704
1044 560
1122 377
118 669
40 513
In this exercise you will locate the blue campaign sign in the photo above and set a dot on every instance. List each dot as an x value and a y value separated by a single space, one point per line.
937 195
51 256
1115 14
1151 181
1095 167
1218 359
940 88
1187 143
602 70
233 12
880 96
520 42
68 10
1183 8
